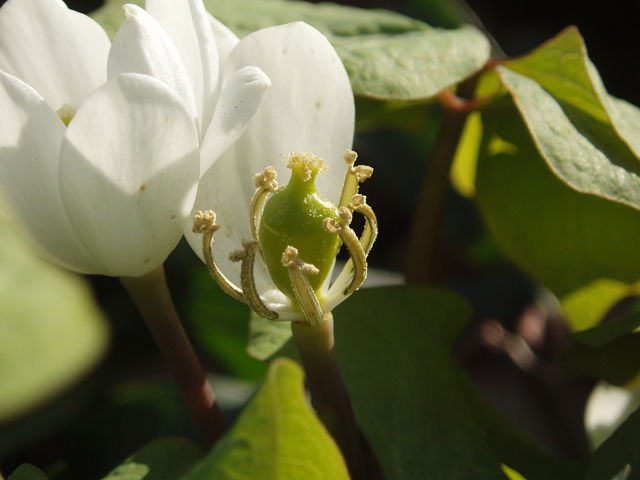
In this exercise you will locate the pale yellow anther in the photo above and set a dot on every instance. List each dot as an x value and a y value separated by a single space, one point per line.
357 201
205 222
350 157
364 172
306 163
290 259
266 180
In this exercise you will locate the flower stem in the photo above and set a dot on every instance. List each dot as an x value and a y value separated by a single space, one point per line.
151 295
329 395
425 241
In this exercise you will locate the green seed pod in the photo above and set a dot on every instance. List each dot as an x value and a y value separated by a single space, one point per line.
293 216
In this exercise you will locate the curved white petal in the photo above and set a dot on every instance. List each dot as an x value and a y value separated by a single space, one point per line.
226 40
30 138
142 46
309 106
239 101
62 54
129 166
187 24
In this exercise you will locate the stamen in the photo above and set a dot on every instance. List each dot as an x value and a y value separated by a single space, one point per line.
265 183
205 223
298 271
248 256
359 204
350 239
355 175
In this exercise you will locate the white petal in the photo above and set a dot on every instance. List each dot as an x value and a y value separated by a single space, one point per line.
30 137
239 101
129 164
309 106
187 24
62 54
142 46
226 40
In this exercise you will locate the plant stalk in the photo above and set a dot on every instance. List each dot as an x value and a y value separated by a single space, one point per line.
329 396
151 295
424 253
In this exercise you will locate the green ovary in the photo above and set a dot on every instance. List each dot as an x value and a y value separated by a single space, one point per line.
293 216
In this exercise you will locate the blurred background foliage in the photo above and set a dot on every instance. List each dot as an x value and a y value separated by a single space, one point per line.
129 400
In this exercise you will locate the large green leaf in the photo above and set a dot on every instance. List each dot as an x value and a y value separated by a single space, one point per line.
413 65
51 332
394 349
163 459
277 437
556 204
387 55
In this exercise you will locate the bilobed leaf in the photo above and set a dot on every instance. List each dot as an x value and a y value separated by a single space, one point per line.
52 331
394 349
562 67
277 437
558 206
163 459
413 65
27 472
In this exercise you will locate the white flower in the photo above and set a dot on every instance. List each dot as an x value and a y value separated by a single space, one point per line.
309 107
111 192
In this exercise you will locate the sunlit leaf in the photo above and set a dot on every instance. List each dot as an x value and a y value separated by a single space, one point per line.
555 203
52 332
277 437
587 306
465 161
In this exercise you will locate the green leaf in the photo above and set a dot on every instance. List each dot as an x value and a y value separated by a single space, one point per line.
27 472
266 338
413 65
276 437
617 361
619 451
625 474
562 67
586 307
608 331
387 55
163 459
394 349
52 331
218 323
465 160
512 474
552 200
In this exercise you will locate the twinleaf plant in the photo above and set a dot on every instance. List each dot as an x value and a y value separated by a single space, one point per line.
232 124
